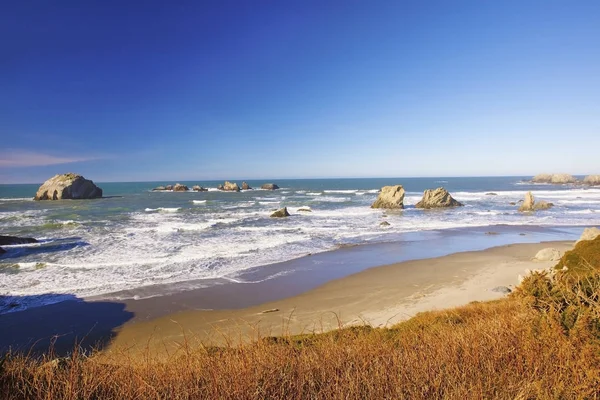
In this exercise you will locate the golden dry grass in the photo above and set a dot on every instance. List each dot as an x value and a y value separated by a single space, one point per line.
543 342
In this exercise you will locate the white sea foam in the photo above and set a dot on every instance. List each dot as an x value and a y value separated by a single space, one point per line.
17 199
199 201
314 194
163 209
341 191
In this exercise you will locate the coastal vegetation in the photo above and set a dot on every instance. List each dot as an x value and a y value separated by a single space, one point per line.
542 341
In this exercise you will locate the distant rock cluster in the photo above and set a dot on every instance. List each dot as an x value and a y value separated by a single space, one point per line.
226 187
561 179
392 197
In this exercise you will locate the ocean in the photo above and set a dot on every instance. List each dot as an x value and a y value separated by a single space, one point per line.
136 238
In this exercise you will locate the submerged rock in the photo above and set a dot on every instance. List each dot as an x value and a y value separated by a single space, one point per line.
437 198
229 187
491 194
281 213
180 188
554 178
390 197
269 186
548 254
68 186
592 180
245 186
529 204
305 209
10 240
588 234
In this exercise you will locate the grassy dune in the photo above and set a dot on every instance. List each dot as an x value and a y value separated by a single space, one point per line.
543 341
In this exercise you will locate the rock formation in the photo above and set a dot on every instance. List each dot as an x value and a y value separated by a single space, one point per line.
198 188
592 180
548 254
384 223
554 178
529 204
169 187
390 197
245 186
588 234
229 187
68 186
9 240
437 198
180 188
281 213
269 186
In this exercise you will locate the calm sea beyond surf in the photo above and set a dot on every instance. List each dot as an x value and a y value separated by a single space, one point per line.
136 238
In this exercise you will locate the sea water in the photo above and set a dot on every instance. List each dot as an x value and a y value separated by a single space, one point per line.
136 237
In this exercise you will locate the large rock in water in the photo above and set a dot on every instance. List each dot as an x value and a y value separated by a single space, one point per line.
390 197
588 234
245 186
437 198
592 180
68 186
8 240
554 178
531 205
281 213
180 188
269 186
230 187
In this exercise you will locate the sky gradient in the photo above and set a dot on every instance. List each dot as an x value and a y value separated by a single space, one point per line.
134 91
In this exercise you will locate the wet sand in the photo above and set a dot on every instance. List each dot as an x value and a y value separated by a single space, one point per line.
379 296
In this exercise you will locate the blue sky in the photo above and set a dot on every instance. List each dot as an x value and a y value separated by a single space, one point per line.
130 91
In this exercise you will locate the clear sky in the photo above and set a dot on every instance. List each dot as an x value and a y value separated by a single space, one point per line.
157 90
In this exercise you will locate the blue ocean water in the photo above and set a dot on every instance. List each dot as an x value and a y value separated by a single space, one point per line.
135 237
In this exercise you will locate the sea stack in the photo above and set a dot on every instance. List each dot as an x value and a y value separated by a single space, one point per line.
438 198
229 187
592 180
531 205
390 197
554 178
269 186
68 186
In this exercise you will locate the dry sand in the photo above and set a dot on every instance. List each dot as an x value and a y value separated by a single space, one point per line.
378 296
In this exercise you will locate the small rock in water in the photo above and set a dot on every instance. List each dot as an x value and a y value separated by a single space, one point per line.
491 233
305 209
384 223
282 213
501 289
491 194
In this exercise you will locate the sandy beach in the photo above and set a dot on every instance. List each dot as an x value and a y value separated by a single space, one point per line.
378 296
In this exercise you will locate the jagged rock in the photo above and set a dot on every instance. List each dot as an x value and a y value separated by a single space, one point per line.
501 289
229 187
390 197
281 213
384 223
554 178
269 186
437 198
198 188
68 186
245 186
588 234
159 188
169 187
529 204
305 209
180 188
548 254
592 180
10 240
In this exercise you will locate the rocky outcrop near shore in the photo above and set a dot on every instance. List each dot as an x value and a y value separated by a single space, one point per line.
180 188
589 234
592 180
554 178
11 240
281 213
529 204
68 186
437 198
198 188
390 197
229 187
159 188
269 186
245 186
